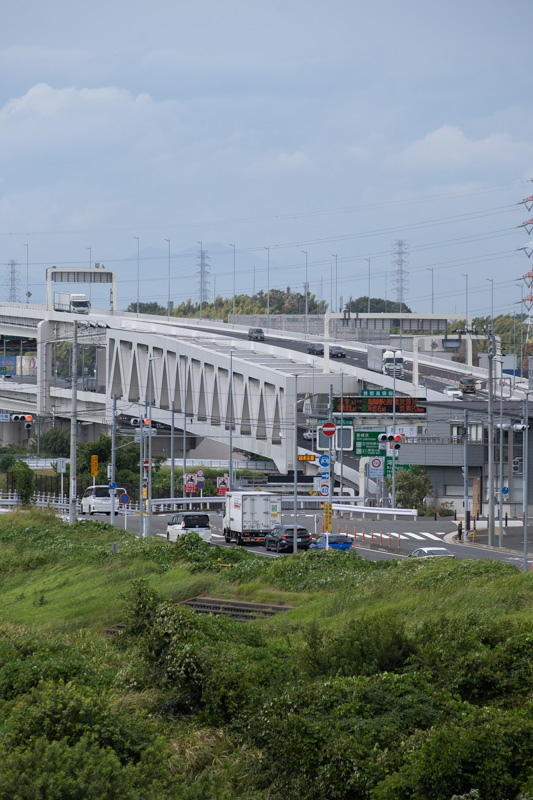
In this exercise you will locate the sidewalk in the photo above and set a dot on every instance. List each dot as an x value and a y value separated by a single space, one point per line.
513 536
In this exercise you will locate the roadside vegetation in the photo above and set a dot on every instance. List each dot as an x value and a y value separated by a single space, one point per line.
385 680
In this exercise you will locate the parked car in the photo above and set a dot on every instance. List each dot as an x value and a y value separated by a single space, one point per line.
183 523
336 352
282 538
336 541
453 391
315 348
256 334
97 500
431 552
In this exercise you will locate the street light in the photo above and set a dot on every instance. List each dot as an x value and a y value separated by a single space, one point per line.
168 301
138 275
368 304
465 275
27 272
268 286
232 245
306 288
491 298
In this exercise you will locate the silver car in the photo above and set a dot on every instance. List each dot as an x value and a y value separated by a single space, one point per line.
431 552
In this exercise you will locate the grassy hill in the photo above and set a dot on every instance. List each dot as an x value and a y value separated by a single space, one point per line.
385 681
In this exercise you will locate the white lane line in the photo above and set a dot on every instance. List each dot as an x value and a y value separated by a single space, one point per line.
430 536
412 535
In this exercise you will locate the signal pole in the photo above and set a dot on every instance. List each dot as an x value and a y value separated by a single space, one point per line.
73 426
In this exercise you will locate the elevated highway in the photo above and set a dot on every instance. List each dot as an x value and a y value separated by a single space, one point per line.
201 376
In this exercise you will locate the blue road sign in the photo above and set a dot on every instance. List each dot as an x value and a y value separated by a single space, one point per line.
124 498
505 490
324 461
112 485
200 484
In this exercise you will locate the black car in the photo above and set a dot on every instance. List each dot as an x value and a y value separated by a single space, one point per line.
315 348
336 352
282 538
256 334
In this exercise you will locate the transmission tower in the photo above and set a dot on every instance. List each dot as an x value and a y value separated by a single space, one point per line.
12 281
399 275
202 272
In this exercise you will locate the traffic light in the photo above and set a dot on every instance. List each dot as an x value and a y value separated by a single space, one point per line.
394 440
517 466
135 422
27 419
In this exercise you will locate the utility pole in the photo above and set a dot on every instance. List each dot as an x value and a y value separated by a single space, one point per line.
465 475
393 486
73 426
113 456
306 285
230 481
525 474
295 486
492 348
172 452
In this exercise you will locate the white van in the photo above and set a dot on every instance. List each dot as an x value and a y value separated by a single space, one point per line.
97 500
185 522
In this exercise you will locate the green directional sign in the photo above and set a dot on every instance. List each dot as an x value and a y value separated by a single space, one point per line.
377 393
366 443
388 466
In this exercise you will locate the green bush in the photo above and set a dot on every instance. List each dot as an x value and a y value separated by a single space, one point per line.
24 481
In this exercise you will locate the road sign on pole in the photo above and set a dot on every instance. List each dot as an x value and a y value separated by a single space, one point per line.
94 466
329 428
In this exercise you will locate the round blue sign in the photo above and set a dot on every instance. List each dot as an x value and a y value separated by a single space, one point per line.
324 461
505 490
112 485
124 498
200 484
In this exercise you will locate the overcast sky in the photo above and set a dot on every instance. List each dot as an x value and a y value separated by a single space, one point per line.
297 125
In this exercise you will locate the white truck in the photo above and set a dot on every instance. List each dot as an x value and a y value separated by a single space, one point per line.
249 516
74 303
383 359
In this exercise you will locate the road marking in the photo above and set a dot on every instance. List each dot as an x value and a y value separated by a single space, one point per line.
430 536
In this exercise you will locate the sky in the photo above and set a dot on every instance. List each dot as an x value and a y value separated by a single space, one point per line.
298 136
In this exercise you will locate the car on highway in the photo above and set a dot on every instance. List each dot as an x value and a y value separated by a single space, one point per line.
467 384
454 392
184 523
335 541
336 352
309 435
256 334
281 538
315 348
431 552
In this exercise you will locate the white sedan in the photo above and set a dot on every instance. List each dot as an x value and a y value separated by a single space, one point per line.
309 434
454 392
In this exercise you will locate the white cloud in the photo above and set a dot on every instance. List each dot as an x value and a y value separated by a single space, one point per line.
449 149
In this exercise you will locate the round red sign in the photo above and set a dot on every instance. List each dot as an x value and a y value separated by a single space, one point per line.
328 428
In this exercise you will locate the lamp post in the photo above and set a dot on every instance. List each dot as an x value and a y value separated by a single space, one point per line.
27 273
295 482
465 275
268 286
491 298
232 245
230 481
334 304
306 289
138 275
168 300
368 304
